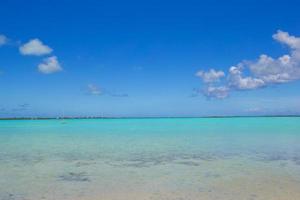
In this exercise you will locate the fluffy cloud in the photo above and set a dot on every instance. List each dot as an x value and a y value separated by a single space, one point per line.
50 65
261 72
3 40
282 69
286 38
236 80
210 76
219 92
35 47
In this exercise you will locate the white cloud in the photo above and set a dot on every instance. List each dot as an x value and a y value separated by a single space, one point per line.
50 65
261 72
286 38
237 81
219 92
3 40
283 69
35 47
210 76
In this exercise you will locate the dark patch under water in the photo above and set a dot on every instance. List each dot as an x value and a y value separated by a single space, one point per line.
84 163
188 163
11 196
72 176
280 156
148 160
211 175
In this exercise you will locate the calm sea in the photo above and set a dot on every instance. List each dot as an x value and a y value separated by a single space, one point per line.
179 158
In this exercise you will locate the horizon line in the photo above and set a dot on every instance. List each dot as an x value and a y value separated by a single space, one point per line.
150 117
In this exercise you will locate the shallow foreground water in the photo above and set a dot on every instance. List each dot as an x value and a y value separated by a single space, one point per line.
150 159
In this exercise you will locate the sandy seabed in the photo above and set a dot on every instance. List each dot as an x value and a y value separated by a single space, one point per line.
185 179
150 159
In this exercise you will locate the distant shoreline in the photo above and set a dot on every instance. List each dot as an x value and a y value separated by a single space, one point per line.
61 118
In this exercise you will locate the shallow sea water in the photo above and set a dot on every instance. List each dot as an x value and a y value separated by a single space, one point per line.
151 159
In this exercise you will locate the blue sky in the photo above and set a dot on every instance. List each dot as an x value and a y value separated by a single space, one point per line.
149 58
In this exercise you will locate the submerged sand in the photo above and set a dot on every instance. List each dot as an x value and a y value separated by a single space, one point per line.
224 179
151 159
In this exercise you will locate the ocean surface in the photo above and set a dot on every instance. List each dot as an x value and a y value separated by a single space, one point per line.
151 159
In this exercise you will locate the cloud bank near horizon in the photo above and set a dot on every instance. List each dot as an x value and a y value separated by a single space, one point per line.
261 72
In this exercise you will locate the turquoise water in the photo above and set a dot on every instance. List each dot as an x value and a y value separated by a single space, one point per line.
180 158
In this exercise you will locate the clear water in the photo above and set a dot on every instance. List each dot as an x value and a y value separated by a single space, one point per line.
183 158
